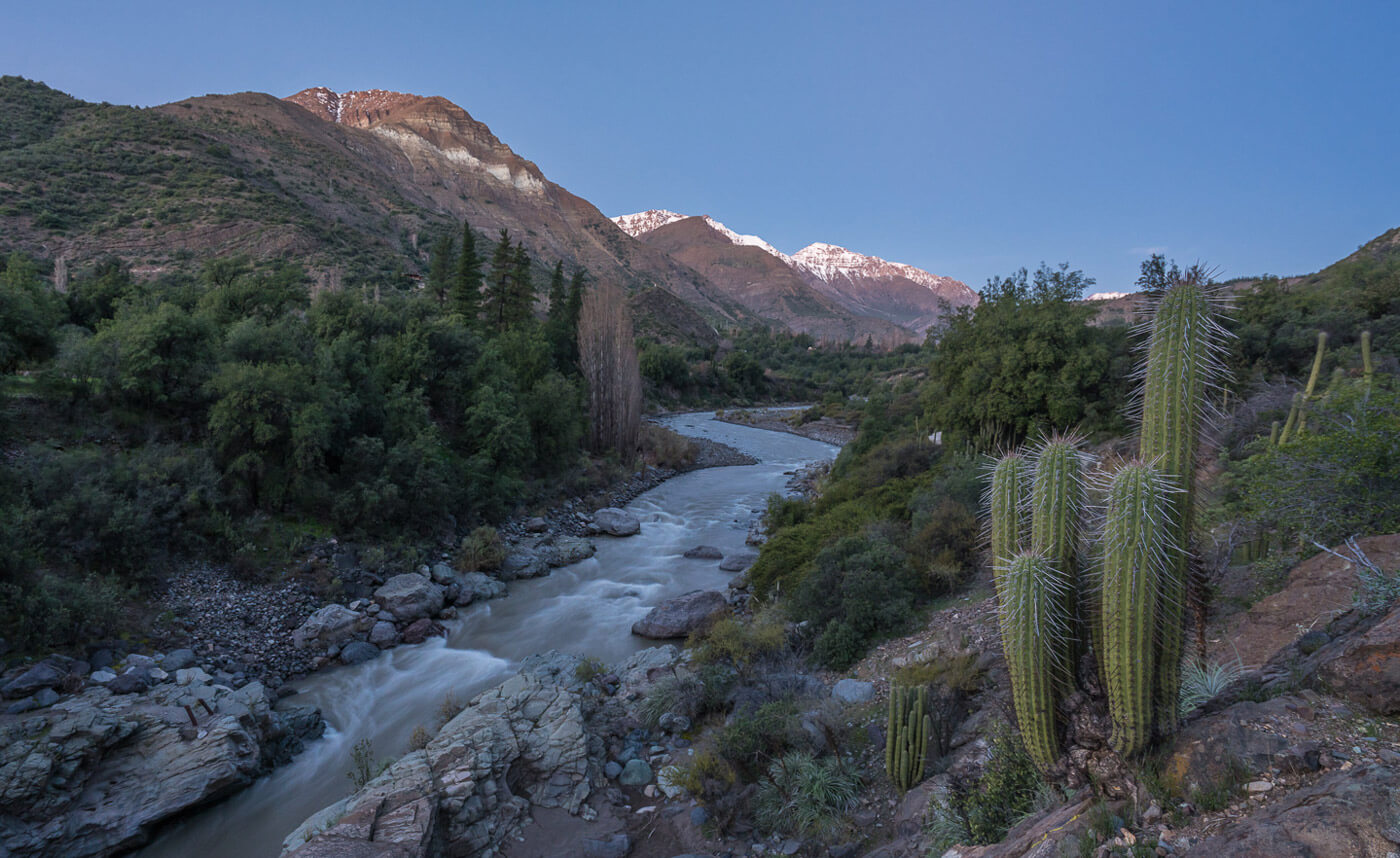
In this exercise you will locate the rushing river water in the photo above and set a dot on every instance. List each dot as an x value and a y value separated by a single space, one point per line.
585 609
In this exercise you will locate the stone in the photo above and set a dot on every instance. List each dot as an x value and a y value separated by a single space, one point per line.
330 626
131 682
358 652
1252 735
479 585
536 525
699 816
1365 668
102 676
192 676
155 674
409 596
522 563
1258 786
738 562
612 769
102 658
441 573
384 634
636 773
853 691
1312 642
568 550
19 707
705 552
616 846
141 661
617 522
178 659
420 630
1344 815
678 617
41 675
672 722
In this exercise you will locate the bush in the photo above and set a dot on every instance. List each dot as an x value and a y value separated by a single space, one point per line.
54 611
481 551
983 808
751 740
804 796
663 448
740 643
681 695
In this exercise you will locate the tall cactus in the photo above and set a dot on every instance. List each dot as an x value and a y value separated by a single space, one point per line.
906 735
1137 559
1033 624
1057 515
1006 504
1183 364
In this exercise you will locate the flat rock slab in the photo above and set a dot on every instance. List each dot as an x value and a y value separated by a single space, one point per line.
678 617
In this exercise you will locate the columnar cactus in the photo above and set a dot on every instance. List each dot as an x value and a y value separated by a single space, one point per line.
1007 502
1183 364
1033 622
1057 513
906 736
1137 557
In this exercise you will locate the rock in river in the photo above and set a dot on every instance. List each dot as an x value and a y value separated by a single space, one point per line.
678 617
409 596
617 522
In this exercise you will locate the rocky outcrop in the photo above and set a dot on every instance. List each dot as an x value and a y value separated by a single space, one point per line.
92 774
1347 814
678 617
519 746
616 522
1249 737
1365 669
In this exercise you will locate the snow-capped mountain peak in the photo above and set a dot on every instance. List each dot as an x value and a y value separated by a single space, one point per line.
641 223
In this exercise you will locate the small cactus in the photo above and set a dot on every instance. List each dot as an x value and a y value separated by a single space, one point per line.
906 736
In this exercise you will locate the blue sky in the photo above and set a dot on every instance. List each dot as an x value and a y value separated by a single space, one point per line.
966 138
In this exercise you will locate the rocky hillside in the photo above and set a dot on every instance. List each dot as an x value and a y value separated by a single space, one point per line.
352 185
866 287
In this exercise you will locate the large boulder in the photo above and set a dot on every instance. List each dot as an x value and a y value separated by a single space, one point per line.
478 585
409 596
617 522
678 617
523 563
1347 814
93 774
41 675
358 652
332 625
1365 668
738 562
568 550
519 746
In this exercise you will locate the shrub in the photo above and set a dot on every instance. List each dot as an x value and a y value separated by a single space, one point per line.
481 551
983 808
363 767
419 739
682 695
751 740
804 796
663 448
53 611
1201 683
740 643
589 669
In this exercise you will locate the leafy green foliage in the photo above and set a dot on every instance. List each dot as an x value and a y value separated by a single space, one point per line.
29 313
982 808
1025 359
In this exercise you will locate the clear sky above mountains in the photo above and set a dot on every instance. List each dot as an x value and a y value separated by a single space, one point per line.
965 138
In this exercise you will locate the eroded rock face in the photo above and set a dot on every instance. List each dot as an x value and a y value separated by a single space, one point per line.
408 597
92 774
1366 669
1249 736
678 617
519 745
1347 814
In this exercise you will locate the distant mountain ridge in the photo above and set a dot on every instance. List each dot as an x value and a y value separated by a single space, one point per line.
907 296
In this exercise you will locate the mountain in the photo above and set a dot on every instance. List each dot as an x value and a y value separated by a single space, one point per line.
863 286
352 185
765 284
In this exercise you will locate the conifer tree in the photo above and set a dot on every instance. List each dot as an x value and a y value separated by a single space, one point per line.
557 328
440 269
466 290
522 289
499 285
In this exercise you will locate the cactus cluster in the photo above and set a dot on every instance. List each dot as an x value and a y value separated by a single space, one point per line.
1124 587
906 736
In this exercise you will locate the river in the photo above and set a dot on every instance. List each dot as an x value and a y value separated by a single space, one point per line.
586 609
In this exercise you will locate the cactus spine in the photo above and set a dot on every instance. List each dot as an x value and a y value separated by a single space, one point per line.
1032 631
1182 366
1057 510
906 736
1136 558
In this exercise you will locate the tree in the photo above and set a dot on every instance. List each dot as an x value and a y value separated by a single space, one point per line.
608 357
521 295
558 331
440 274
498 287
29 312
466 289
